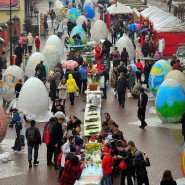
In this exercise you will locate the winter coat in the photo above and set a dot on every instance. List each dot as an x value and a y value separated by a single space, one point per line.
30 39
121 85
131 79
113 78
37 136
57 77
124 56
107 164
140 165
134 68
168 182
71 84
57 134
83 73
137 89
62 91
37 43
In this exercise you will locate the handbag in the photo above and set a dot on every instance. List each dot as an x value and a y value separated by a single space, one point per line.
18 125
122 165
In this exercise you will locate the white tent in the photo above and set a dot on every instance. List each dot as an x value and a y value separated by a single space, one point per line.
166 21
160 19
150 11
173 26
157 16
119 9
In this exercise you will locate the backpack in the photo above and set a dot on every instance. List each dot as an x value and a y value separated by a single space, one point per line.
31 135
47 137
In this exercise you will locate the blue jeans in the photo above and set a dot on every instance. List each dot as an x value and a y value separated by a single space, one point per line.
30 148
107 179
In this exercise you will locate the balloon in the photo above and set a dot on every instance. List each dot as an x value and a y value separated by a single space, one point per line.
73 14
33 60
89 12
33 98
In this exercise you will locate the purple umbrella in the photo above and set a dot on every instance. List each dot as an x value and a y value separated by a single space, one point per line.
100 5
143 30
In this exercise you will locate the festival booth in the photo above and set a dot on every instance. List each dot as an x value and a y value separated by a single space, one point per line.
118 12
173 32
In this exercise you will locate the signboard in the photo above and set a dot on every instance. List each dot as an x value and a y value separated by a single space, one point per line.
5 5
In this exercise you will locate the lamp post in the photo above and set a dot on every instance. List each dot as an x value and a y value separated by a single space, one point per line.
11 32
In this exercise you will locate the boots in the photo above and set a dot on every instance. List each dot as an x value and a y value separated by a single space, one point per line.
36 162
30 164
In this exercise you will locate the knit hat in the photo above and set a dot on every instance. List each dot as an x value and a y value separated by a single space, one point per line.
131 143
107 150
138 153
59 115
93 137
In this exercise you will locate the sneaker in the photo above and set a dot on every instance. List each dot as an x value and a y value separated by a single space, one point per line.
36 162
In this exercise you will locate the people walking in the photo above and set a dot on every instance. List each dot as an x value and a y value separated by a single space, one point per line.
41 67
124 56
71 88
83 79
30 43
45 27
167 178
18 87
37 44
52 16
25 44
19 54
121 86
62 87
33 141
142 103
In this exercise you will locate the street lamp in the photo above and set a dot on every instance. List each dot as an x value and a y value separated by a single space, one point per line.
11 61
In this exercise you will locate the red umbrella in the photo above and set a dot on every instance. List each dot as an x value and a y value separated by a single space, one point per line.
69 64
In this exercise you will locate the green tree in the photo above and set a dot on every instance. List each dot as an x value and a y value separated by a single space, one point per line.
27 25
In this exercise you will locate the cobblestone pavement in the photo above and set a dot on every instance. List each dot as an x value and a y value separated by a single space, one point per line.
156 141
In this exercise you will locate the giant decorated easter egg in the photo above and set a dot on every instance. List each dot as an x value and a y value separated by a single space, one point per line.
52 57
33 60
80 20
157 75
89 11
10 78
33 98
99 31
170 101
80 31
125 41
60 10
3 124
54 40
73 14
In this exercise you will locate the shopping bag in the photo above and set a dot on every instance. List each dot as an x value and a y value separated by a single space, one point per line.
129 94
77 93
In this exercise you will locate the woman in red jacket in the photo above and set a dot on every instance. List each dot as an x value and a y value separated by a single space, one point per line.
37 44
107 165
97 50
139 71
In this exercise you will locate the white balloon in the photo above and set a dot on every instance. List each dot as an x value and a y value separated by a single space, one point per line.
80 20
10 78
33 98
54 40
125 41
99 31
33 60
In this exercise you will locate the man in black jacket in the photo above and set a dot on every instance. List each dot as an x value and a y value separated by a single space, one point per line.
41 67
33 141
121 86
78 58
108 45
18 87
57 135
142 103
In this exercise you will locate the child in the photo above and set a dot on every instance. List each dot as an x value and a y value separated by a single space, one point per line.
107 165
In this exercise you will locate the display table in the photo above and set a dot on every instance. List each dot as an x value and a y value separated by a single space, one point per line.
92 173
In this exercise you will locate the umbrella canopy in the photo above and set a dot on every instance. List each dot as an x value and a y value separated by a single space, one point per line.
69 64
143 30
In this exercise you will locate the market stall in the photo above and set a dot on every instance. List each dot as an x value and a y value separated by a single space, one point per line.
118 12
92 173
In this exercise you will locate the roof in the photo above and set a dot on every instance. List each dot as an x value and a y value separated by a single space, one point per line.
119 9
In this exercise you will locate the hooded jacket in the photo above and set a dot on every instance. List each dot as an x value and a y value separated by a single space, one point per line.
71 84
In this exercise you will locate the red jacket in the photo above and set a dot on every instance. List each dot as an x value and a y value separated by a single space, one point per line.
37 43
139 65
107 164
176 66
